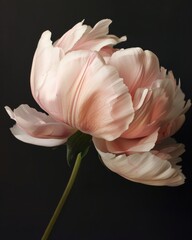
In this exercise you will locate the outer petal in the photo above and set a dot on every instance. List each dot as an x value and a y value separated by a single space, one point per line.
145 168
178 106
138 68
38 128
177 98
21 135
45 58
86 94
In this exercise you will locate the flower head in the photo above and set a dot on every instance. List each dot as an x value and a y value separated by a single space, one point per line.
121 97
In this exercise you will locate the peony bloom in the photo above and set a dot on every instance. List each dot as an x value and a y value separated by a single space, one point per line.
140 154
122 98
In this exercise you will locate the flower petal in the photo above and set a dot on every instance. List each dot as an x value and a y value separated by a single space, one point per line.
127 146
46 57
146 168
151 109
32 125
21 135
71 37
85 37
88 95
177 98
97 37
138 68
175 117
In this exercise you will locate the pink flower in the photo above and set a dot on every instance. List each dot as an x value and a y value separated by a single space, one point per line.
122 98
159 112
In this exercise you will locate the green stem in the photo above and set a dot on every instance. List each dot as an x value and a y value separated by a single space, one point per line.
63 198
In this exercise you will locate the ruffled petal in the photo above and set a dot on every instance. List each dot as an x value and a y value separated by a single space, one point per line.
151 108
146 168
21 135
97 37
178 105
84 37
138 68
32 125
127 146
88 95
175 116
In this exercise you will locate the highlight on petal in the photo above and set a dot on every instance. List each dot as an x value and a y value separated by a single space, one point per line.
46 58
151 168
37 127
138 68
87 94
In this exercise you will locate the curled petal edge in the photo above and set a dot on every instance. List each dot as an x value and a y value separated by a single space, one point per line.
38 128
146 168
21 135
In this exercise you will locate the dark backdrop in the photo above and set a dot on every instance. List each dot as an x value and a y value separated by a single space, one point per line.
102 205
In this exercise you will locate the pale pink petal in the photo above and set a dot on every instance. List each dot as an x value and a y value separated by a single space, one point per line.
99 30
177 98
46 58
175 116
85 37
127 146
179 105
97 37
71 37
21 135
38 125
145 168
88 95
138 68
151 107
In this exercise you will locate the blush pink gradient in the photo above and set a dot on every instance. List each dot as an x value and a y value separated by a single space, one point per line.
123 98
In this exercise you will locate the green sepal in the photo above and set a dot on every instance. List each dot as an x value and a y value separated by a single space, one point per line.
77 143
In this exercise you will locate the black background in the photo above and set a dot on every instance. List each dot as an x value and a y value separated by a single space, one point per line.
102 205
